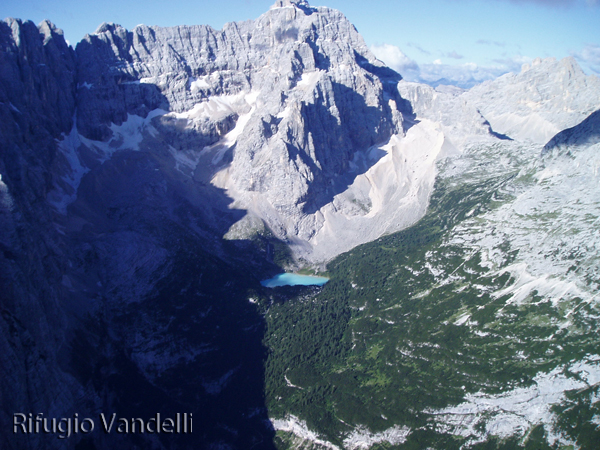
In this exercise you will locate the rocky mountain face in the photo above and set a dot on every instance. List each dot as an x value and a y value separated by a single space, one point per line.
544 99
37 103
150 178
280 112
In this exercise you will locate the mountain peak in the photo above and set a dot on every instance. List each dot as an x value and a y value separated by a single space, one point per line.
552 65
107 26
284 3
537 62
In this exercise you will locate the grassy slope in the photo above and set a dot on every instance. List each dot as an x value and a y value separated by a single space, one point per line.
411 323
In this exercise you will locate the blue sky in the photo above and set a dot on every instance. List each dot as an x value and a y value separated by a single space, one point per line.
464 41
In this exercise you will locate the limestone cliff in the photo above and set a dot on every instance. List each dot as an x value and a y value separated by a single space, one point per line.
37 104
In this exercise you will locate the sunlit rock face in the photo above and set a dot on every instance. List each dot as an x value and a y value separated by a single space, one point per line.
546 97
281 112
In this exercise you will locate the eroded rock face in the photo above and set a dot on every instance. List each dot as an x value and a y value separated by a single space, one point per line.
123 71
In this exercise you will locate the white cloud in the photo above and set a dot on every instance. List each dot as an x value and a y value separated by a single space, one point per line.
488 42
462 75
394 58
419 48
589 57
513 63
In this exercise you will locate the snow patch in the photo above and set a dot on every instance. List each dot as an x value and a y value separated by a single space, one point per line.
127 136
226 142
513 413
185 162
309 80
62 196
294 425
197 84
362 438
218 106
6 200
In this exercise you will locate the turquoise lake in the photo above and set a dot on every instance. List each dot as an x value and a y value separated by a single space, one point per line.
292 279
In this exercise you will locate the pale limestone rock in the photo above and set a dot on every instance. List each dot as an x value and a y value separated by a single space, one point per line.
538 102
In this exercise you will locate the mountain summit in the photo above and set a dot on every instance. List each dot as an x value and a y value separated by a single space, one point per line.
284 3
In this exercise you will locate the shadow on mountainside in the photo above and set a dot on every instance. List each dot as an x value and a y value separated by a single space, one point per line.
170 327
173 329
134 292
347 148
587 132
131 302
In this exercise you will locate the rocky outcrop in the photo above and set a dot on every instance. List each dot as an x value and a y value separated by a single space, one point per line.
586 133
460 119
540 101
176 68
